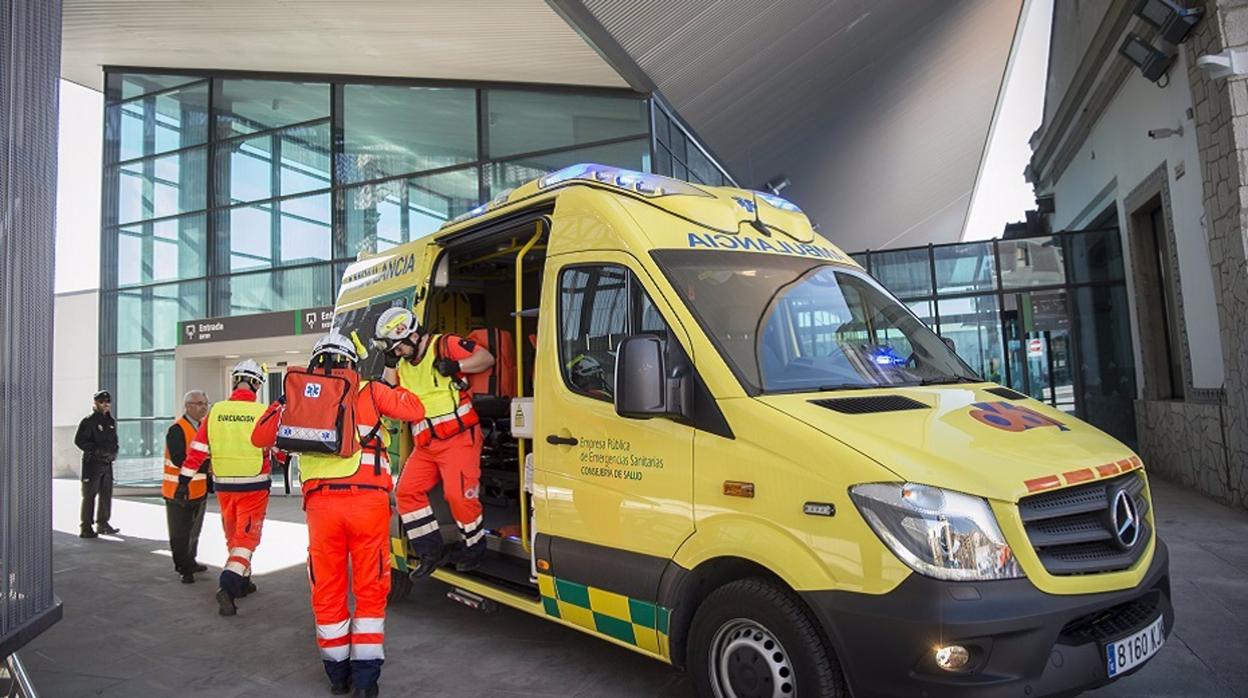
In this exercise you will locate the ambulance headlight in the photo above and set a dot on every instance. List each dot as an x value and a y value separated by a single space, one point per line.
938 533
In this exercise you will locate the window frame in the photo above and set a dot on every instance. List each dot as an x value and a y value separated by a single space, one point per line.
633 318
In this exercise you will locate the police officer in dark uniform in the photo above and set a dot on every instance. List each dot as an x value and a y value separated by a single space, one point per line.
97 437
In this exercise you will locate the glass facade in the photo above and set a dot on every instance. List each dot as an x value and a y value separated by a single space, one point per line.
232 194
1046 316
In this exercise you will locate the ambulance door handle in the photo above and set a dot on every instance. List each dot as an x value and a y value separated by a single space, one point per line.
556 440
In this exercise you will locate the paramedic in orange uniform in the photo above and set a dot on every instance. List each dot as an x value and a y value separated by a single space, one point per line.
347 501
447 441
240 474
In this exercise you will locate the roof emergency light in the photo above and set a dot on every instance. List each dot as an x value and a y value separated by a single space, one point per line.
778 202
649 185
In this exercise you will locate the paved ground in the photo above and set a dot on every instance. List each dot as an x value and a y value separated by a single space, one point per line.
131 629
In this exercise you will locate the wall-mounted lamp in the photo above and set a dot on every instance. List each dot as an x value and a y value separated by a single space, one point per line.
1151 61
1173 23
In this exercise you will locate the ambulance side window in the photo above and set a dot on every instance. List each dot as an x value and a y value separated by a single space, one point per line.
599 307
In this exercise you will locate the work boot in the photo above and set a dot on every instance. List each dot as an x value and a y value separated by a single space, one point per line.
88 533
225 603
188 578
370 692
340 688
469 559
107 529
199 568
249 589
426 564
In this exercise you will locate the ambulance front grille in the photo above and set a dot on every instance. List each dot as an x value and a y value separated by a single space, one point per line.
1072 529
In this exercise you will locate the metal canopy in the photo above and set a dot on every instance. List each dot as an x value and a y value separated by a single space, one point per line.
878 111
483 40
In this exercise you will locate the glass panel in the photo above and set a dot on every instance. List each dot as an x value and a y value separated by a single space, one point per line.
904 272
861 259
144 386
661 126
163 186
524 122
1027 262
276 233
925 311
127 85
158 124
147 318
974 325
380 216
679 141
632 155
1106 360
1094 256
141 455
288 289
662 161
1038 333
701 168
166 250
392 130
287 162
966 267
247 106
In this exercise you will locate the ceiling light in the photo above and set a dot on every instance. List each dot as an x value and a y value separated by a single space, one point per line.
1152 62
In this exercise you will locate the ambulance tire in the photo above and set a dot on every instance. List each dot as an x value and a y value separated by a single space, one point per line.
400 586
751 638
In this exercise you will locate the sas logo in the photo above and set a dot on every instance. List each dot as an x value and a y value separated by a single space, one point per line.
1010 417
312 390
744 203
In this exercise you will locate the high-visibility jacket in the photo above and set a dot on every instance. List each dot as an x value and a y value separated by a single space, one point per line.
182 433
370 466
225 435
448 410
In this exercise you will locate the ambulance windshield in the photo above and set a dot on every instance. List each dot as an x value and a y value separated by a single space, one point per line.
793 324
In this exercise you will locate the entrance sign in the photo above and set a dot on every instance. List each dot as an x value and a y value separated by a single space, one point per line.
278 324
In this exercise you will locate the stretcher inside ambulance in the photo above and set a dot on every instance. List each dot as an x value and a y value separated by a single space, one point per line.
720 443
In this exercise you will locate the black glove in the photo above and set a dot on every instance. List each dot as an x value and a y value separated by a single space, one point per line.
390 358
182 495
447 367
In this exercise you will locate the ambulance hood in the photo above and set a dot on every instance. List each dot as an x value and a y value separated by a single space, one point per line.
963 438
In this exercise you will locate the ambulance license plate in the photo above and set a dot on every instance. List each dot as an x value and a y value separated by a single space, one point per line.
1131 651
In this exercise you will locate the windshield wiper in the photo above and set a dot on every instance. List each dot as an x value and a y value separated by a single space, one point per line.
947 380
847 386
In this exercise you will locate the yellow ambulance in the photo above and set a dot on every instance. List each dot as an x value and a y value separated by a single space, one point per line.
728 448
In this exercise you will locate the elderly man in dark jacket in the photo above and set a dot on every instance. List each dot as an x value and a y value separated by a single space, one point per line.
97 437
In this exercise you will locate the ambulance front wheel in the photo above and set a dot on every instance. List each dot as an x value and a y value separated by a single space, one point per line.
754 639
400 586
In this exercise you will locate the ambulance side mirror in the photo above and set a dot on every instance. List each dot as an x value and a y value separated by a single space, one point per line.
644 385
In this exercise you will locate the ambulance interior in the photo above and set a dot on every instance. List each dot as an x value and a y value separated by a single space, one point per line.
474 293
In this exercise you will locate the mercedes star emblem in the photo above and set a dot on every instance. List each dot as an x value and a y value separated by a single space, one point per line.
1125 519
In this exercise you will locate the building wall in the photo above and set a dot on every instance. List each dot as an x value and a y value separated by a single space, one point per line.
1114 160
75 374
1074 25
1096 153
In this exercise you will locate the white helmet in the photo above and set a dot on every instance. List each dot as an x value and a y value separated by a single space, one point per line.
335 345
249 369
395 325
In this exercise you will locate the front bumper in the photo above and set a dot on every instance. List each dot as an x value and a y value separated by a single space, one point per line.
1022 641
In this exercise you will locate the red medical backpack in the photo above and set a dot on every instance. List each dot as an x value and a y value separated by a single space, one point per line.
500 380
320 411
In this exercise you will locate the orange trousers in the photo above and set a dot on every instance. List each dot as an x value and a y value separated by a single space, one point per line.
457 463
242 515
349 524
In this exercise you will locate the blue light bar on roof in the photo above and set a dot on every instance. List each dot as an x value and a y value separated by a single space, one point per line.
649 185
778 202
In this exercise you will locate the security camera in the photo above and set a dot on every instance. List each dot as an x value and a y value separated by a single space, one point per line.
1156 133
